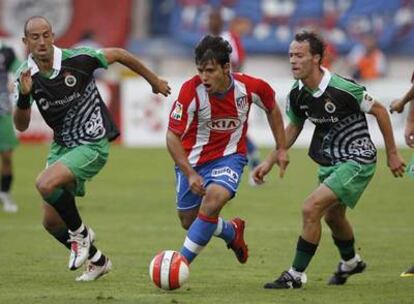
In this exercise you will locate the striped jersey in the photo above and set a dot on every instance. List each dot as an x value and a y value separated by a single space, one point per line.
8 63
212 126
69 100
337 109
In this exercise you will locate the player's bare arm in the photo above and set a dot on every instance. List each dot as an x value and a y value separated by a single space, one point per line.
279 155
398 105
132 62
394 160
21 115
176 150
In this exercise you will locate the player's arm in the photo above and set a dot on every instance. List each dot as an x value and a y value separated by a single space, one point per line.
398 105
22 111
132 62
394 160
292 132
176 150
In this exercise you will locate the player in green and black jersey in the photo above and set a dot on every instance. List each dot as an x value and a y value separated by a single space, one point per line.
8 140
342 147
61 83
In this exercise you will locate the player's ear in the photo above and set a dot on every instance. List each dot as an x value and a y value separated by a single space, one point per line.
53 37
226 68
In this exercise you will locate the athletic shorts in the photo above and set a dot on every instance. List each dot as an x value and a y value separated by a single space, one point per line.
347 180
410 167
84 161
8 139
225 171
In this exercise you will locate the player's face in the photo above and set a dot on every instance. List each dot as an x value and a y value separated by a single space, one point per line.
301 59
215 77
39 39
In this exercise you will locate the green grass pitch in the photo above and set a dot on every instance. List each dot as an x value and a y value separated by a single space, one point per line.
131 207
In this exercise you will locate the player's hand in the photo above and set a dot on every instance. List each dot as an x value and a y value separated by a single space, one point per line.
282 160
396 164
161 86
196 182
26 82
396 106
409 133
260 171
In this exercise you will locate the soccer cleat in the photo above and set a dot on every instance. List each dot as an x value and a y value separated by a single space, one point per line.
408 273
8 204
79 249
285 281
238 245
94 272
340 277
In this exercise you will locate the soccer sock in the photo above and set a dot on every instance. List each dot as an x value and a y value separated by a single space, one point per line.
304 254
225 230
346 248
64 203
199 234
62 236
6 181
98 258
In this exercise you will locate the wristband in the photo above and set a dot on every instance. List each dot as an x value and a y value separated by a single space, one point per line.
23 102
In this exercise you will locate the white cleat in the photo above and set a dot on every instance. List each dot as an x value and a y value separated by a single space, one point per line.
94 272
79 249
8 204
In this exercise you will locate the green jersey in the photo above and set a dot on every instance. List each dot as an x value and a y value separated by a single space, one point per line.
337 108
69 100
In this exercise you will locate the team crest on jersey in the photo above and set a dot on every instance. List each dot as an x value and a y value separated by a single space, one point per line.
329 106
177 114
241 102
224 124
70 80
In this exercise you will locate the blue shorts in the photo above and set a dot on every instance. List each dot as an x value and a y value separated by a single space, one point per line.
225 171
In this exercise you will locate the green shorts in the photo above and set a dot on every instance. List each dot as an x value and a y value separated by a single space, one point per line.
84 161
8 139
347 180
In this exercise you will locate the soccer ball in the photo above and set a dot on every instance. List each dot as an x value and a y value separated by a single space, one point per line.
169 270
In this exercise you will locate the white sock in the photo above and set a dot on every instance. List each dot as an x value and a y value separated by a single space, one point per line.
96 256
350 264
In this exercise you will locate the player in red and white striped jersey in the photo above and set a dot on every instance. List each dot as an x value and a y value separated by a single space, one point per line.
207 140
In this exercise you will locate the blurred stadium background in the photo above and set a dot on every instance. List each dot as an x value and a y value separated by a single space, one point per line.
164 32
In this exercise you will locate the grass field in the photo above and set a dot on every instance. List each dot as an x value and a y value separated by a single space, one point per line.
131 207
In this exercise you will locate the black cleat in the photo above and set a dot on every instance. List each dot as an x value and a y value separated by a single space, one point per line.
285 281
340 276
408 273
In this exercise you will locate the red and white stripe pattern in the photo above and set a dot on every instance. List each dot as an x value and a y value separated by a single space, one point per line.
212 126
169 270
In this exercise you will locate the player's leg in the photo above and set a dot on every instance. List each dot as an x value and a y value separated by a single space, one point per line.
343 237
6 181
8 142
313 209
203 227
253 157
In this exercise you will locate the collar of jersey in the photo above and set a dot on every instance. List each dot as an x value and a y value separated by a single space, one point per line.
231 86
57 63
322 85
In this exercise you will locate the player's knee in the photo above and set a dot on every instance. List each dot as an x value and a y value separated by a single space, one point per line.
186 221
44 187
310 210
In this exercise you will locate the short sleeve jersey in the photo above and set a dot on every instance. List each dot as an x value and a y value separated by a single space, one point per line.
69 100
337 109
212 126
8 61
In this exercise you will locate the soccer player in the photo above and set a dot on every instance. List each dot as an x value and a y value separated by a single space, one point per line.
61 83
8 141
207 140
341 145
398 106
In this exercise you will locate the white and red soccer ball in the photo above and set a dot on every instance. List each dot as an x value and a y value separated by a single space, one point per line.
169 270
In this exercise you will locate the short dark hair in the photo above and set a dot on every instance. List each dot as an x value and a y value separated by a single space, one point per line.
33 18
213 48
316 44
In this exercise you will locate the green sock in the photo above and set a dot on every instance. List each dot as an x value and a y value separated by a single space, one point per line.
346 248
304 254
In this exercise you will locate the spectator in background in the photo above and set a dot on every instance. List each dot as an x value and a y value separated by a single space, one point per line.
237 58
8 141
367 60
